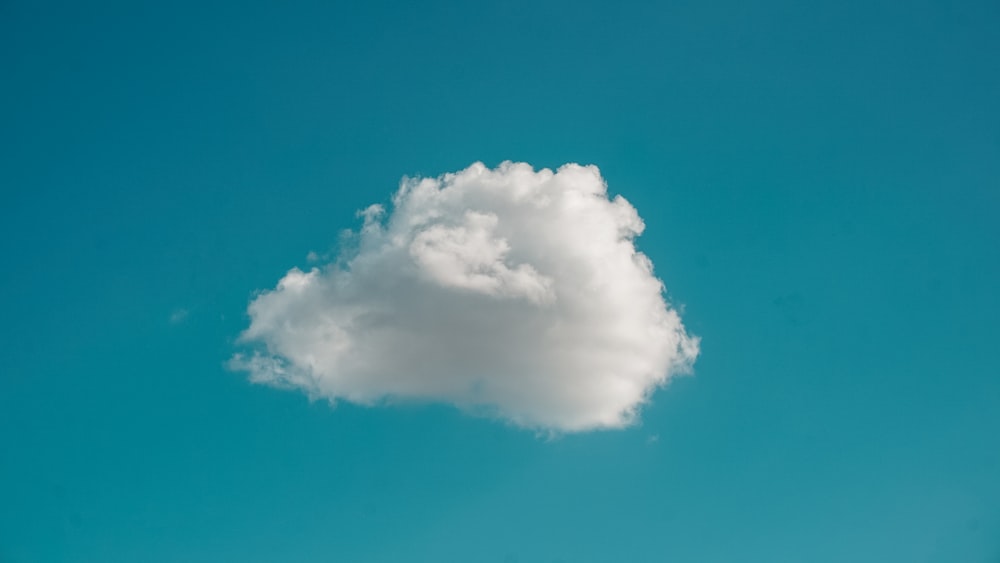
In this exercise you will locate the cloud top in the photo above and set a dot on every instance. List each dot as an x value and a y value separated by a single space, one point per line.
511 292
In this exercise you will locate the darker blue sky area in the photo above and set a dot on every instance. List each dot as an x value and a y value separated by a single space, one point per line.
821 188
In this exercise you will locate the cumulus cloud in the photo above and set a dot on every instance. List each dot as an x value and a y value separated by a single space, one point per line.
510 292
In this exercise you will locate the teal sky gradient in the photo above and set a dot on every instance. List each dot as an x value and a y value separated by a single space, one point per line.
821 188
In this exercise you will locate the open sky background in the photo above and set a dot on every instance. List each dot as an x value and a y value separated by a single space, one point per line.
821 188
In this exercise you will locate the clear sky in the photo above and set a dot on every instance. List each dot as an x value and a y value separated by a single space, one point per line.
820 184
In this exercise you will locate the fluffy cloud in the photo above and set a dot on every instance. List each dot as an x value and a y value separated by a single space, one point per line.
510 292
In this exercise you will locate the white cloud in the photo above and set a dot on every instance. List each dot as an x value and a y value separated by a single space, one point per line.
511 292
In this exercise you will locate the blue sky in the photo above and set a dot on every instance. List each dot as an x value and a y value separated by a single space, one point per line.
820 186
